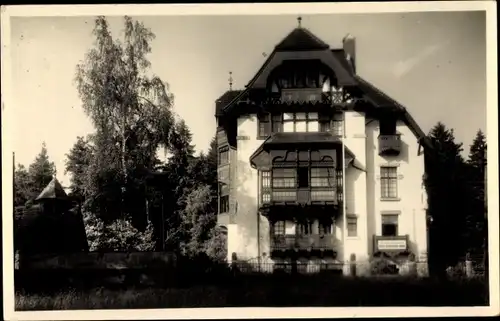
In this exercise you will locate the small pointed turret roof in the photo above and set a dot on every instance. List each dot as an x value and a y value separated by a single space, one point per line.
53 190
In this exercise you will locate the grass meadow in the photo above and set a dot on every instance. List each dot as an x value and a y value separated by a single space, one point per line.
261 291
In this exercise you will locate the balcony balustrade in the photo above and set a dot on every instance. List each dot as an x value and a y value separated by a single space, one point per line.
301 195
389 145
313 242
301 95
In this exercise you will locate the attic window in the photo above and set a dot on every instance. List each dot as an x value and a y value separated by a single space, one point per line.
293 77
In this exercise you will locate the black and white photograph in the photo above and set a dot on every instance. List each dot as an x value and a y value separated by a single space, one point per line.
162 159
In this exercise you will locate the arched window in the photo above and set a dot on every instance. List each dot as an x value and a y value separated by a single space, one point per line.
326 85
274 88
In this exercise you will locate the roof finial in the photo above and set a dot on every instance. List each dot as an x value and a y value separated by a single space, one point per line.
230 80
299 20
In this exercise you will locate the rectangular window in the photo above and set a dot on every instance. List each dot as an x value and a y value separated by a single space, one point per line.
389 224
266 186
224 204
322 177
352 226
338 127
224 155
278 228
338 124
389 182
288 123
300 122
324 122
325 126
312 123
284 178
264 125
277 123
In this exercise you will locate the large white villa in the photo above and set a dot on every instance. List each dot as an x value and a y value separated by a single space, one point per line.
318 165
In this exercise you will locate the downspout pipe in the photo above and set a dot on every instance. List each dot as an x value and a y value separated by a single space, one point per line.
258 218
344 216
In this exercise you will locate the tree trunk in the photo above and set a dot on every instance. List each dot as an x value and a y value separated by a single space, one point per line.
124 163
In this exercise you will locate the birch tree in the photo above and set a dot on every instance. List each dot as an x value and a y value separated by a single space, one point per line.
120 95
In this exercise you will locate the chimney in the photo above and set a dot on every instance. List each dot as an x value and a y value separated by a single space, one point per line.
349 45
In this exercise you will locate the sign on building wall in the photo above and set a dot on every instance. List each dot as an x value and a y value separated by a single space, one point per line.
391 245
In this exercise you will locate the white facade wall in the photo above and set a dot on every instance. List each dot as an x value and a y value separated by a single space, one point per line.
362 195
355 186
247 239
411 204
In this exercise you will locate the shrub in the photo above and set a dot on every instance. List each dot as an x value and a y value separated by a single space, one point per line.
118 235
382 266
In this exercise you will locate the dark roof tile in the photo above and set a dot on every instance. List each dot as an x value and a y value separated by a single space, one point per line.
53 190
225 99
340 55
301 39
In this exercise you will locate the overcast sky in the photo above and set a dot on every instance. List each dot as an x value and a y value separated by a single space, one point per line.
433 63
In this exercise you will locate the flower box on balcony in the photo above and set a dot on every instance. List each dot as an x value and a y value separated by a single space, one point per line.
389 145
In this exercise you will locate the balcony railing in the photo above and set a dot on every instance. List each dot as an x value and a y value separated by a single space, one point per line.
301 195
311 242
390 243
301 95
389 145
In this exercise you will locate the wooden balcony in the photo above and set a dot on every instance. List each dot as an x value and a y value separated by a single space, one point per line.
306 196
389 145
390 244
301 95
314 244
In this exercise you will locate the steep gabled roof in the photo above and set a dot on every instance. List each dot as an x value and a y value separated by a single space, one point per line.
301 39
53 190
379 99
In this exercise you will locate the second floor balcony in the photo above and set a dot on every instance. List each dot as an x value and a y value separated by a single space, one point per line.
389 145
302 185
313 244
301 95
306 196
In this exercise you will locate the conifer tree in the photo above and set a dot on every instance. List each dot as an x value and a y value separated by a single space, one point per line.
477 219
41 171
445 183
22 188
77 164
